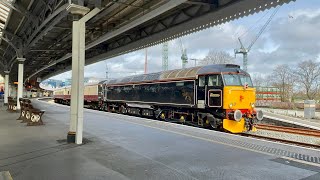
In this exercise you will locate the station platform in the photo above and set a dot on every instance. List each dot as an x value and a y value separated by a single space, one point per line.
309 123
125 147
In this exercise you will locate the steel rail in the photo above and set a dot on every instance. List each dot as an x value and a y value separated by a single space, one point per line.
282 141
300 131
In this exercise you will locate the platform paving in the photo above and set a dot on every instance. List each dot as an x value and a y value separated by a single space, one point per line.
126 147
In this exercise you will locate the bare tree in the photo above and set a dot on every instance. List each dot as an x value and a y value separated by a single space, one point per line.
261 80
308 75
283 78
217 57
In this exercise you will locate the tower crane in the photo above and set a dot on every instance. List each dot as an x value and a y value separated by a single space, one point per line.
184 57
244 51
165 58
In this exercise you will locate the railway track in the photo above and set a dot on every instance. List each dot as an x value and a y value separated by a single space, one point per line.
283 141
290 130
300 131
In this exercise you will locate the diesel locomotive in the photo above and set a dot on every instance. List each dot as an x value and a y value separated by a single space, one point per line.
218 96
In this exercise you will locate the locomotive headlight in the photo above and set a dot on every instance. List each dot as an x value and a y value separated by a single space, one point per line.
237 115
252 105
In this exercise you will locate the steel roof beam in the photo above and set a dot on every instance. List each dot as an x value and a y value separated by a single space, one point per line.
210 3
46 4
1 63
130 5
152 14
103 13
45 22
49 27
8 51
67 56
11 62
11 34
18 50
36 50
19 9
165 7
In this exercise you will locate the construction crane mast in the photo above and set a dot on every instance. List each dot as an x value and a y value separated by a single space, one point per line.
244 51
165 59
184 57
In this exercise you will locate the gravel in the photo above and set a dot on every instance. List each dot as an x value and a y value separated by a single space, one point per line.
287 136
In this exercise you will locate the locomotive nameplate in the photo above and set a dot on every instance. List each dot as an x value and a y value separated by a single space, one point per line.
215 99
214 95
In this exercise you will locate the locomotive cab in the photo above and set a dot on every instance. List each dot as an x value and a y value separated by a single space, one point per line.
230 97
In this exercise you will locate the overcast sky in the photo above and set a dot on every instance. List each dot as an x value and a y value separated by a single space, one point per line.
293 35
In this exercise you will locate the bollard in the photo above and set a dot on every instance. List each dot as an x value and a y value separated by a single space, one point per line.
309 109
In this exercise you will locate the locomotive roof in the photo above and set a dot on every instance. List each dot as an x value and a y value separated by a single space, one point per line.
188 73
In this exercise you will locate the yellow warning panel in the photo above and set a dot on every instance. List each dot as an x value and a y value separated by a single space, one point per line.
234 126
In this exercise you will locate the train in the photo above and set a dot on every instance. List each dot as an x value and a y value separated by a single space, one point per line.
219 96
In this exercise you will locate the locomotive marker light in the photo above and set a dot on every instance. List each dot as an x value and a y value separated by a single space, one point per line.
252 105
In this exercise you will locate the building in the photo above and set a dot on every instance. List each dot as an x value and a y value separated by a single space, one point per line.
267 95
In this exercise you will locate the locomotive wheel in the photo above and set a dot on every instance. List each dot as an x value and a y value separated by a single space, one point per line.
162 116
182 119
123 110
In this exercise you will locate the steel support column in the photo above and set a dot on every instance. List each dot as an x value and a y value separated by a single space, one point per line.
20 80
77 85
6 87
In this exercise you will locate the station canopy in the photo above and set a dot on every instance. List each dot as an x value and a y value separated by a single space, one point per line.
41 30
